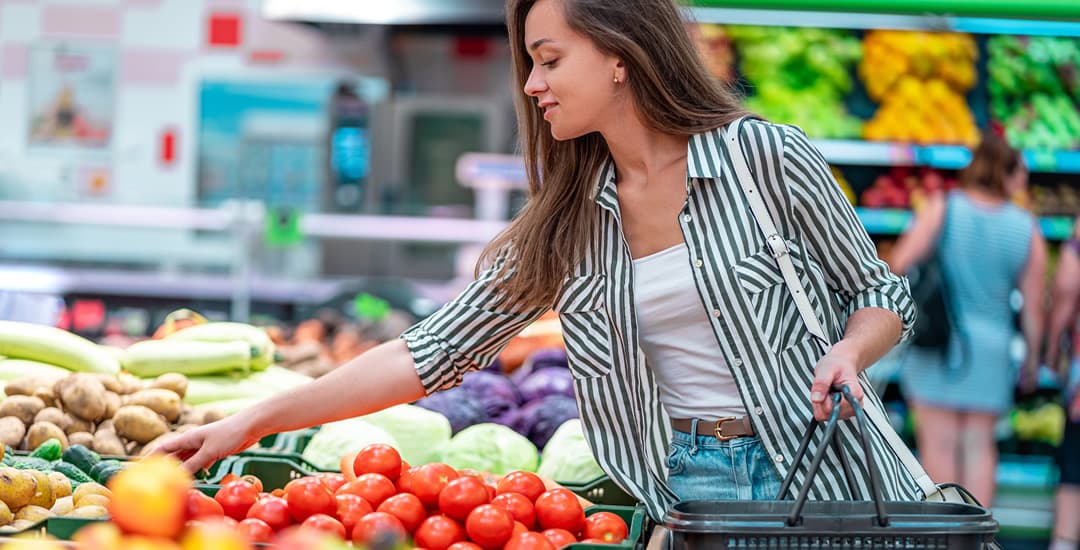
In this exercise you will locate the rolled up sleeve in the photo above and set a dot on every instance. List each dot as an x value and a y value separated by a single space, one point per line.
466 334
837 239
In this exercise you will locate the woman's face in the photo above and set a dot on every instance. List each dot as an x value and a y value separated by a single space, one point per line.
1018 180
571 80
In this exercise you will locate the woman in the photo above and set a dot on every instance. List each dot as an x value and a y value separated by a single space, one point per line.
1061 331
637 211
987 247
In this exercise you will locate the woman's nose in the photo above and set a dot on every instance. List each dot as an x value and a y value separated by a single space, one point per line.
534 85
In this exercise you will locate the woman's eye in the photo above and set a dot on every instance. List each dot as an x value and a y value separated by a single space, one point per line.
549 63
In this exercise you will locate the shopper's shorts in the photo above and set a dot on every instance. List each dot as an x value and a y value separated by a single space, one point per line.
704 468
1068 458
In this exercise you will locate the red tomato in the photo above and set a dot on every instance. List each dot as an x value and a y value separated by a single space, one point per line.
428 481
519 506
461 495
255 530
519 528
273 510
438 533
226 520
378 524
236 498
308 496
378 458
333 480
528 541
346 465
490 526
253 480
200 506
605 526
406 507
464 545
526 483
326 524
404 482
350 508
375 488
560 509
560 537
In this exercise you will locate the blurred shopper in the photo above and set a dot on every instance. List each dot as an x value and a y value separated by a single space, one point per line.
1063 354
694 372
986 247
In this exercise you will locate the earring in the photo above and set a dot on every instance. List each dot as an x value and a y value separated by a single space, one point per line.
616 80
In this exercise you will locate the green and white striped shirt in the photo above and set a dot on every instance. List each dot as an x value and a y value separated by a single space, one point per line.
763 339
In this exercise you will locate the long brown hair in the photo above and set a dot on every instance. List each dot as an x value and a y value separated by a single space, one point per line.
992 163
673 92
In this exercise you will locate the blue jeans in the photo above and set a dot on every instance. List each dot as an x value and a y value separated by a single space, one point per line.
703 468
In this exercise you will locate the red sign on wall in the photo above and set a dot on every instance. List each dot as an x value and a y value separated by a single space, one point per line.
224 30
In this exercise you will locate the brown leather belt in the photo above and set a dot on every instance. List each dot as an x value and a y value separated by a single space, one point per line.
724 429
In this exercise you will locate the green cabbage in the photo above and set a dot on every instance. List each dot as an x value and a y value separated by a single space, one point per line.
334 440
567 457
420 433
491 448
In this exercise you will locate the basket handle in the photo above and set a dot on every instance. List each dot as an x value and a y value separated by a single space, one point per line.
832 439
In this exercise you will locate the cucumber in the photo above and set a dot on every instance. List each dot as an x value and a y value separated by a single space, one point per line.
104 470
156 357
81 457
262 347
71 471
49 450
55 347
31 463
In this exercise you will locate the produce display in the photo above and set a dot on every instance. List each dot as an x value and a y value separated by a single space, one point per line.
1035 90
47 483
920 79
715 47
800 76
905 187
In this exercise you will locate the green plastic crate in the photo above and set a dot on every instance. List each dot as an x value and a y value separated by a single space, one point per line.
601 490
65 528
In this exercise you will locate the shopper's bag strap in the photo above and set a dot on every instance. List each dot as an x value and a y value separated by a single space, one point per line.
791 279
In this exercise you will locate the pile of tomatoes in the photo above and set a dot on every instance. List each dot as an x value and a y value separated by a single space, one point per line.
380 497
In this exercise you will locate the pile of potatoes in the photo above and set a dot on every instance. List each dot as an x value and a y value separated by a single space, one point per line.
29 496
115 415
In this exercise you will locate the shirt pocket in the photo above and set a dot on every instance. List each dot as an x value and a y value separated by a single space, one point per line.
774 308
586 329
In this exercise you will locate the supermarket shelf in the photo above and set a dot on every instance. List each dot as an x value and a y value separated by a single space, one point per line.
945 157
893 221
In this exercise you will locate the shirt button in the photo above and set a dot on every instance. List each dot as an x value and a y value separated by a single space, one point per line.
716 313
737 362
779 458
685 218
699 263
758 411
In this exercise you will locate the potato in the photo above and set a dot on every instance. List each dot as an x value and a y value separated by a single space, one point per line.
41 432
106 425
43 496
210 414
129 383
139 423
112 404
106 442
23 386
191 416
132 448
61 485
162 401
110 381
84 396
90 488
172 381
33 513
93 500
12 430
19 525
86 439
46 396
76 424
53 415
63 506
23 407
6 516
17 487
88 512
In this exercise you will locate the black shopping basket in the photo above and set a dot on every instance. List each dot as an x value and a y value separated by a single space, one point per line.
803 524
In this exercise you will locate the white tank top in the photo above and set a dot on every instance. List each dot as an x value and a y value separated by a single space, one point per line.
678 340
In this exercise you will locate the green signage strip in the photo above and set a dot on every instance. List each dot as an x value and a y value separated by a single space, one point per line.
1018 9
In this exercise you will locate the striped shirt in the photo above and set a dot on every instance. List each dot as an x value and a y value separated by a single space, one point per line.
764 341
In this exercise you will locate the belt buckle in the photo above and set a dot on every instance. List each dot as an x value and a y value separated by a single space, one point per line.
719 426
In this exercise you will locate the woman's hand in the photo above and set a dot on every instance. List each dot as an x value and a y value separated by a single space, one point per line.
834 370
201 447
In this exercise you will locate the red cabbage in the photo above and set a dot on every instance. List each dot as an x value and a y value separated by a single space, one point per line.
547 382
458 406
541 359
538 419
494 391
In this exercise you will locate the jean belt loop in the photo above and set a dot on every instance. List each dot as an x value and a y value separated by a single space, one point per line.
693 435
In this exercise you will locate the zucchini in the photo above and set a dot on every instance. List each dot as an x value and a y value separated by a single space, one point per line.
54 346
262 347
72 472
49 450
151 358
81 457
31 463
104 470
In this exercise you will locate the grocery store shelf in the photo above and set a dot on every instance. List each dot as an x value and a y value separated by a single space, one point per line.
893 221
945 157
158 217
873 14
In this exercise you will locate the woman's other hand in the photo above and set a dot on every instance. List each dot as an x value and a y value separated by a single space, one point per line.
834 370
